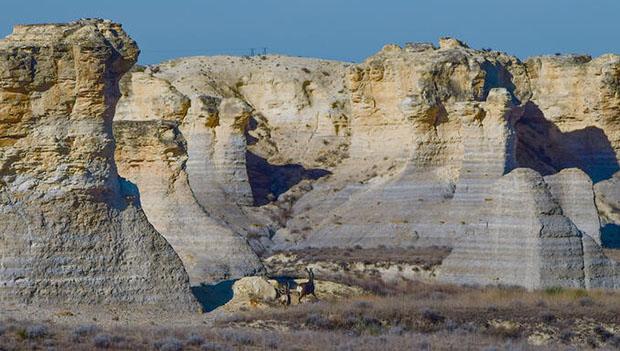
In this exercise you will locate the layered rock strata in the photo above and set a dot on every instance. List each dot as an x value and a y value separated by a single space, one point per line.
524 238
403 149
607 196
573 115
573 190
154 156
69 234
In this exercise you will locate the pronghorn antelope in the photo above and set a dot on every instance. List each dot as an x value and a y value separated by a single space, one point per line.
307 288
285 293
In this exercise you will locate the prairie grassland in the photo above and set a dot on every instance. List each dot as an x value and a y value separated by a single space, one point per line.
415 316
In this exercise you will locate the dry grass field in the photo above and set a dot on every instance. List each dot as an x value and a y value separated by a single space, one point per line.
412 316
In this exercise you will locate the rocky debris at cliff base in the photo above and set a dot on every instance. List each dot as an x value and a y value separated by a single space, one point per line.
258 292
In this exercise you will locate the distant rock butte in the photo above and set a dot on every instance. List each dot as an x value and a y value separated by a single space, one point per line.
410 147
69 232
512 164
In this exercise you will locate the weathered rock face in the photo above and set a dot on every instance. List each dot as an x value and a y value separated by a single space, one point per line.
216 141
406 148
572 120
573 116
489 142
234 158
523 238
300 105
572 189
608 204
153 155
68 232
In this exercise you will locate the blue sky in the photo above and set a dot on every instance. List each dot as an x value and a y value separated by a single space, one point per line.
348 30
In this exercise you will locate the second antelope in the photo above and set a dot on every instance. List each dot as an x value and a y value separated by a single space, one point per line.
307 288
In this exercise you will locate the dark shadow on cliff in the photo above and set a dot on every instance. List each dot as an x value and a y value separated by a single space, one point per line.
610 236
130 194
497 76
212 296
543 147
268 181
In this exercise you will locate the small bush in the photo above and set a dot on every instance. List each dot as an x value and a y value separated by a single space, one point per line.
603 333
213 346
116 339
238 337
102 341
169 344
36 331
365 324
451 325
505 332
554 290
316 320
432 316
566 335
195 340
85 330
548 317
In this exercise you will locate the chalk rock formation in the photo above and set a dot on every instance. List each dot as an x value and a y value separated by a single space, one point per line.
608 205
523 238
300 105
406 148
573 190
242 130
68 232
573 116
572 120
489 144
153 155
410 114
216 141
